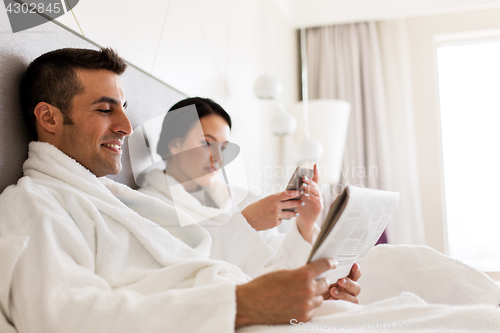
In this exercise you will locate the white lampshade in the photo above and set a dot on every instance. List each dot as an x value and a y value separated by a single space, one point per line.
329 121
266 87
283 123
309 149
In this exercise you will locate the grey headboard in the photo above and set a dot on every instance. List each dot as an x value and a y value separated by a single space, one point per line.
147 97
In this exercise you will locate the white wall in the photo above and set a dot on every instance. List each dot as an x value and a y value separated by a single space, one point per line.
422 31
217 48
208 48
325 12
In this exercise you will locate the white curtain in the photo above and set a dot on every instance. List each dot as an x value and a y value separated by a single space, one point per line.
346 62
409 226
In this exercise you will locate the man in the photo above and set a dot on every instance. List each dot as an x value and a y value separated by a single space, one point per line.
103 257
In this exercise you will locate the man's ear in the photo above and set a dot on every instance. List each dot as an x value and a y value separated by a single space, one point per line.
175 146
48 117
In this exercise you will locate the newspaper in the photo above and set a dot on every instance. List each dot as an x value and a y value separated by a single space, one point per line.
356 220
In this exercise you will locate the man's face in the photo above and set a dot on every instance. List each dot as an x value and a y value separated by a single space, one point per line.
99 123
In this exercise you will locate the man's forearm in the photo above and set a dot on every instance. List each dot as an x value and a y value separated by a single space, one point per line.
242 318
277 297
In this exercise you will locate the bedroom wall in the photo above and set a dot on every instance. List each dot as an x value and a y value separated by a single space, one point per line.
217 48
421 32
325 12
210 48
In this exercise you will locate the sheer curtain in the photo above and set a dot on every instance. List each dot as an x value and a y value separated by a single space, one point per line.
395 56
345 62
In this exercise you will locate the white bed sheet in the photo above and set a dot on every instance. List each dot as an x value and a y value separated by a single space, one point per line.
409 288
403 313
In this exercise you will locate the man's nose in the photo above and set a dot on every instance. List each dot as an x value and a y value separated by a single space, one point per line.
122 123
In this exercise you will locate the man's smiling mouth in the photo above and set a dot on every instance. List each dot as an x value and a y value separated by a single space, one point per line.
116 148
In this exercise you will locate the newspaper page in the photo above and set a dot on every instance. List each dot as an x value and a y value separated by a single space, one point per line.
360 225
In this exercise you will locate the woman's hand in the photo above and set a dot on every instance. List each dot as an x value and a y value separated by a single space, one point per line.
268 212
347 288
311 207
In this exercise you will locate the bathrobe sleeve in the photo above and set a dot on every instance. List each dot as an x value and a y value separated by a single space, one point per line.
258 252
55 287
254 252
240 244
292 250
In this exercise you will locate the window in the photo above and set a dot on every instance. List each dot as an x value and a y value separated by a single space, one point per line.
469 91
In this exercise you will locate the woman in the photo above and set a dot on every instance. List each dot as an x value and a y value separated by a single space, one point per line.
194 152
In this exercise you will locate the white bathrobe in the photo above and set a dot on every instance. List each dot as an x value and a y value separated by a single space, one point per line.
233 238
101 257
82 254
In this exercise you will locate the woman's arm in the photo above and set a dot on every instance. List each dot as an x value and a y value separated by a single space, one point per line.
311 208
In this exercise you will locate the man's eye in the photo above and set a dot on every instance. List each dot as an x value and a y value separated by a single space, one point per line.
104 111
205 143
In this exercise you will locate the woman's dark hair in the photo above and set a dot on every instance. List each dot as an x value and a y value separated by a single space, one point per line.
177 124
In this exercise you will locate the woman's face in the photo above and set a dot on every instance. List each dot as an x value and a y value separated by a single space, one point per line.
199 156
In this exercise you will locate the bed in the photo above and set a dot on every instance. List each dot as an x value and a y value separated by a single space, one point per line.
404 287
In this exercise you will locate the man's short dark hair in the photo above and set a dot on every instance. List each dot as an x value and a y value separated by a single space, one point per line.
52 78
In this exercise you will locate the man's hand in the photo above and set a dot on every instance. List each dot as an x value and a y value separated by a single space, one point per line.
312 206
278 297
268 212
347 288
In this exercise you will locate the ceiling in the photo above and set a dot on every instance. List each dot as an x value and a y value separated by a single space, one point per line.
311 13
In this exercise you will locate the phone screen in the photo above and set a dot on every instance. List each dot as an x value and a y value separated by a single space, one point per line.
296 182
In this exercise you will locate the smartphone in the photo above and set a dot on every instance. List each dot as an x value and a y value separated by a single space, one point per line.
296 182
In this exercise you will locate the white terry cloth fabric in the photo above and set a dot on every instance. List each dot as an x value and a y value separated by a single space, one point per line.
11 249
94 264
233 239
397 284
403 313
388 270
